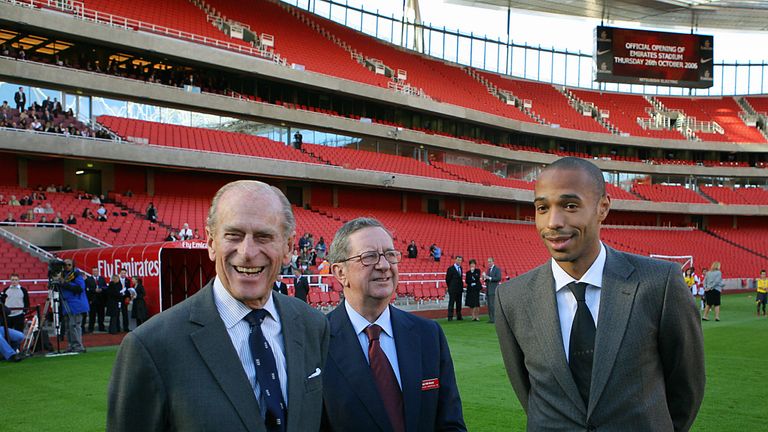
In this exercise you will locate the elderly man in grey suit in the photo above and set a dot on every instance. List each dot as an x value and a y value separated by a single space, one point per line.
235 356
492 278
597 339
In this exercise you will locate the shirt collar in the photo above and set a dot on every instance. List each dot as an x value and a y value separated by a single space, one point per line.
593 276
359 323
233 311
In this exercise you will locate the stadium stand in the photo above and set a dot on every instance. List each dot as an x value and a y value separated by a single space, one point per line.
548 104
724 111
479 175
742 196
668 193
624 111
15 260
201 139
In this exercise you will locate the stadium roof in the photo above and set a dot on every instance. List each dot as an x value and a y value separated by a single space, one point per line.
719 14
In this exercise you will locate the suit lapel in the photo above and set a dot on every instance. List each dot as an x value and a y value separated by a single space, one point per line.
292 328
408 344
616 299
349 358
215 347
542 314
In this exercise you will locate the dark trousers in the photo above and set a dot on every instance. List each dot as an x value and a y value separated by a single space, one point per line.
15 322
114 319
83 320
454 298
124 314
97 312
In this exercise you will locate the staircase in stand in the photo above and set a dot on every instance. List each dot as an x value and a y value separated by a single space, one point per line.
504 96
582 107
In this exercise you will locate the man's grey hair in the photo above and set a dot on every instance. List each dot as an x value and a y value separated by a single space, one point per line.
339 250
289 222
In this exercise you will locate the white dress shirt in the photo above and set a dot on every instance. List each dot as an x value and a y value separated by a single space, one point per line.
386 339
232 312
566 301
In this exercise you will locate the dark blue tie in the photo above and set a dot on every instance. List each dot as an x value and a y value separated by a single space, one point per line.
271 396
582 344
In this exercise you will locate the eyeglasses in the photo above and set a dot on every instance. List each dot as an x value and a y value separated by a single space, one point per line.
373 257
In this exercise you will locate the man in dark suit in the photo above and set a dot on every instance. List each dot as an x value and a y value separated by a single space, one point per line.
235 356
301 286
20 98
597 339
492 278
125 283
387 370
280 287
455 282
96 288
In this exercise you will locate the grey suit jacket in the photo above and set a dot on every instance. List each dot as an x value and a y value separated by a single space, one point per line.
179 371
494 277
648 372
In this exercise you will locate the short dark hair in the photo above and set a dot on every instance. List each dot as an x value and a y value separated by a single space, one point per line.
17 275
472 261
578 164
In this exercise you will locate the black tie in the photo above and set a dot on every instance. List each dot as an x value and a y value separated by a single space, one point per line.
582 345
271 397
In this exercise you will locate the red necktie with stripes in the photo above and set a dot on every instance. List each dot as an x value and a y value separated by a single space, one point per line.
385 379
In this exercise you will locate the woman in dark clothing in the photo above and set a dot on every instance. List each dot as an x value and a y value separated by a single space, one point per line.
139 304
473 289
114 300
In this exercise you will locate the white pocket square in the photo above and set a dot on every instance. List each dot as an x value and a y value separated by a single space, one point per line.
316 373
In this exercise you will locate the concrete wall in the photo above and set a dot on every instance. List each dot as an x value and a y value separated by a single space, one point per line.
50 238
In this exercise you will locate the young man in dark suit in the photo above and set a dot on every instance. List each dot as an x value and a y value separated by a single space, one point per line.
387 370
455 280
236 356
597 339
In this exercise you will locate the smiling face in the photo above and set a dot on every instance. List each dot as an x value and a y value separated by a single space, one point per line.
368 287
569 212
248 243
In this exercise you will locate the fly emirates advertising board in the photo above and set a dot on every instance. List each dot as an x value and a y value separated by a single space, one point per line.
653 58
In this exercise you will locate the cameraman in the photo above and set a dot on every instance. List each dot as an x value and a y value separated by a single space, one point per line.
75 304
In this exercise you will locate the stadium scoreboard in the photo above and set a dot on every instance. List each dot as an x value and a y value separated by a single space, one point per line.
653 58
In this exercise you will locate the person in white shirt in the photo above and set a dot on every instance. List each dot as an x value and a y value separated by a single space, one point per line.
186 233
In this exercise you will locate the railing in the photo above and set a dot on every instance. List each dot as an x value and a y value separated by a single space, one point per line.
78 10
65 227
35 250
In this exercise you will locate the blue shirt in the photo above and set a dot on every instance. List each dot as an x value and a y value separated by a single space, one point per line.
386 339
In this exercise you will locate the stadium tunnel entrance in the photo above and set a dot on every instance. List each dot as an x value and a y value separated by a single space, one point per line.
170 271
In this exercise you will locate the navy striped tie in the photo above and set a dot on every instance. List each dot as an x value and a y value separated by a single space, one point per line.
271 395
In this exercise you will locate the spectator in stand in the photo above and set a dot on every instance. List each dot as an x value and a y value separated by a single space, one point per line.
39 209
36 125
75 304
455 287
51 188
152 213
28 216
196 234
324 268
413 251
8 339
139 310
3 201
113 299
96 289
57 219
713 287
101 214
95 200
47 209
762 292
44 223
321 248
10 219
71 220
16 298
298 140
172 236
26 200
473 289
13 201
88 214
20 98
185 233
303 241
47 103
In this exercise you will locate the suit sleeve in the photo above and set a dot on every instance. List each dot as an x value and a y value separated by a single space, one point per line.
514 359
449 414
681 348
137 397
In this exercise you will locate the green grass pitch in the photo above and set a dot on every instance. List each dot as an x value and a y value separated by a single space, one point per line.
69 393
